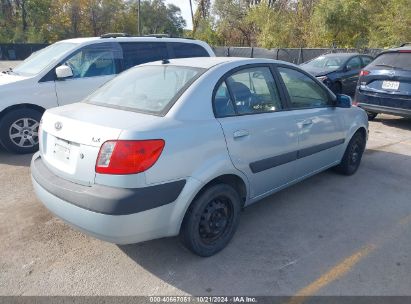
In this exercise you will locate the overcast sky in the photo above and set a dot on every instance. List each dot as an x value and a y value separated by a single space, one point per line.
184 5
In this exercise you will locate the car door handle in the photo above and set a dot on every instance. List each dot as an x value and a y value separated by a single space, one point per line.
240 133
307 123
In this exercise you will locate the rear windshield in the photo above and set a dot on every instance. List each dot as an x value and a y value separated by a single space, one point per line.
394 60
146 89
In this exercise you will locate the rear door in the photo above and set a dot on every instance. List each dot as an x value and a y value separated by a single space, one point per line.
321 127
262 141
92 67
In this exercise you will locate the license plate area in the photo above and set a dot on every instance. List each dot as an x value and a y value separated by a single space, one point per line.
390 85
62 150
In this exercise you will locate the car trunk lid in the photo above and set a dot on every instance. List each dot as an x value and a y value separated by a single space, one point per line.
71 137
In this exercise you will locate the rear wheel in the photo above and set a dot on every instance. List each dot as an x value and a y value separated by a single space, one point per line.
211 220
353 155
19 130
371 115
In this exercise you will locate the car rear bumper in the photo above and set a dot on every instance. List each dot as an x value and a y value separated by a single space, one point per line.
149 223
386 110
381 103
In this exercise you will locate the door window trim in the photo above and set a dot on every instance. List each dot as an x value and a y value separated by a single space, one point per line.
240 68
331 96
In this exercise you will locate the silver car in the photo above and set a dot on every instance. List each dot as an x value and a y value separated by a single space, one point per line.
179 147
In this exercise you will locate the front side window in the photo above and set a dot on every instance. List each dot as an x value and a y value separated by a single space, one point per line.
146 89
93 61
136 53
253 90
354 63
303 91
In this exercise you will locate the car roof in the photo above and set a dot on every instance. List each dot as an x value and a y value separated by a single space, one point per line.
209 62
89 40
342 54
403 48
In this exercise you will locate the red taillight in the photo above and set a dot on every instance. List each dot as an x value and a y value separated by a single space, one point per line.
364 73
128 156
404 51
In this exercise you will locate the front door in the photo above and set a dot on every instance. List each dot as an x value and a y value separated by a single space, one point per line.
320 124
261 139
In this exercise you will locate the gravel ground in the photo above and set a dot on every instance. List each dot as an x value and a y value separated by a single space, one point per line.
328 235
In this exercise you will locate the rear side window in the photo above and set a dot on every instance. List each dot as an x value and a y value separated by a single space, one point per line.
394 59
248 91
136 53
186 50
303 91
366 61
147 89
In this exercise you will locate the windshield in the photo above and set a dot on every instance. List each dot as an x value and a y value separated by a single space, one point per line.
40 60
393 60
326 62
147 89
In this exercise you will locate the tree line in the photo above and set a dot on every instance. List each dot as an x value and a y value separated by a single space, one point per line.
46 21
263 23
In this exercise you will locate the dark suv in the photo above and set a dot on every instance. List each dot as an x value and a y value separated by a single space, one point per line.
384 86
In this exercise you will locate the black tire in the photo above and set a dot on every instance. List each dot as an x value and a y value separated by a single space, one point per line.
352 155
336 88
19 130
371 116
211 220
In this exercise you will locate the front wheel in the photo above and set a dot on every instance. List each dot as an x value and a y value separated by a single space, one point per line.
19 130
211 220
353 154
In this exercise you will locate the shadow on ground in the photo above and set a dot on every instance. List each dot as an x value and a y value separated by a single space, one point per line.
14 159
284 240
402 123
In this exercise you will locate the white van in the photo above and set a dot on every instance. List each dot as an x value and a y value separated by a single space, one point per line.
68 71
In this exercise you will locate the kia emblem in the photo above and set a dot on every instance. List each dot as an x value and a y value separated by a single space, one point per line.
58 126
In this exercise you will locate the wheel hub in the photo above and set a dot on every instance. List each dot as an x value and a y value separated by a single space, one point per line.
214 220
355 153
24 132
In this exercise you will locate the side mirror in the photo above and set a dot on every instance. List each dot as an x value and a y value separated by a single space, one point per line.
343 101
63 72
348 68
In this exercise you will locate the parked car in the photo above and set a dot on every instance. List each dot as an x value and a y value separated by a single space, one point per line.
181 146
68 71
385 84
338 71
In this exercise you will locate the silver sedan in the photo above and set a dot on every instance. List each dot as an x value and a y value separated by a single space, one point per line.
179 147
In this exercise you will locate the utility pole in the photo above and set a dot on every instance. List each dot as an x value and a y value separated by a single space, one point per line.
139 19
192 14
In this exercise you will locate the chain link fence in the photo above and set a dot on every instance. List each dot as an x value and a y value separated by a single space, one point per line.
294 55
